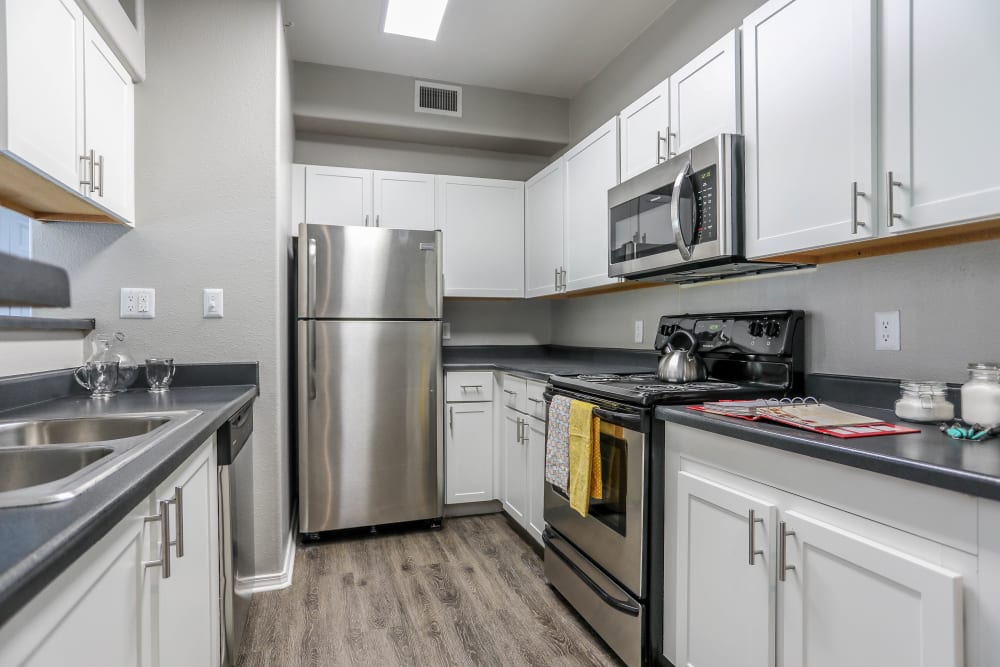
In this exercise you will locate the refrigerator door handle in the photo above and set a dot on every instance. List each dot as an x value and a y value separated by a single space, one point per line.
311 335
311 292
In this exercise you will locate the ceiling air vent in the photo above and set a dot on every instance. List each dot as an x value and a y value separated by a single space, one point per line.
437 98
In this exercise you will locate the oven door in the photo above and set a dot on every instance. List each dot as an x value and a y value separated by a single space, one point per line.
613 532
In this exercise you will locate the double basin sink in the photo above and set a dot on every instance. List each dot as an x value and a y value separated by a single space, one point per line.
49 460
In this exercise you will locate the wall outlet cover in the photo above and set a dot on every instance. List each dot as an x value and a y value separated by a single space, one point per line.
445 330
887 330
137 303
212 303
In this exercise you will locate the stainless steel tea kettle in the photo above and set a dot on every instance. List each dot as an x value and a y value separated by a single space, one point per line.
680 365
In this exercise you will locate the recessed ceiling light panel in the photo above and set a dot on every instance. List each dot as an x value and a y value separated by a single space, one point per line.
414 18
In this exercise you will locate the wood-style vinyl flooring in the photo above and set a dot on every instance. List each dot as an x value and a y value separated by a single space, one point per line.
471 593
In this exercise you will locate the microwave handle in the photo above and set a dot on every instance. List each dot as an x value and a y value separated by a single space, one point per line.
675 212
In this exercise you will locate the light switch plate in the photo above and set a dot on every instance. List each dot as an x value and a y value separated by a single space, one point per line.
638 331
137 303
212 303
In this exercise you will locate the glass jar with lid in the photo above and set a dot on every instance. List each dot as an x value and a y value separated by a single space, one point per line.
924 401
111 347
981 394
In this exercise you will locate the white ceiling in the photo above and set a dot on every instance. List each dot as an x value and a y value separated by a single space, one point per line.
547 47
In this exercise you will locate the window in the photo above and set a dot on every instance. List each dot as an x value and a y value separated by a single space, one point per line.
15 239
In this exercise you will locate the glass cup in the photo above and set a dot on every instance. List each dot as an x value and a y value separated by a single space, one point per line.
100 377
159 373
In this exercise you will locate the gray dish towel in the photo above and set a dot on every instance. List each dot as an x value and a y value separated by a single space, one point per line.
557 443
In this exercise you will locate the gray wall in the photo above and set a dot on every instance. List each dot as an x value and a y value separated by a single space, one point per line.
361 153
496 322
212 206
686 29
345 101
946 297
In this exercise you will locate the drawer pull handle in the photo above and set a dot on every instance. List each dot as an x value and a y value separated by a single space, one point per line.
164 518
783 566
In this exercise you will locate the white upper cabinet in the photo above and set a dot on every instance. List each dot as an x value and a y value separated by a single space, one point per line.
705 97
403 200
543 231
645 131
591 169
483 224
808 75
338 196
938 97
110 132
850 600
43 124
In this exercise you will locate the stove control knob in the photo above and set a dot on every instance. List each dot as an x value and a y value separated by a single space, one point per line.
756 328
773 328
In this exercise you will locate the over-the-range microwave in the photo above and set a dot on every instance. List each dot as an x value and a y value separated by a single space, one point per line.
682 220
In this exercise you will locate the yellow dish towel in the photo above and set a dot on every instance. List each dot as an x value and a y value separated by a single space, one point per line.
584 456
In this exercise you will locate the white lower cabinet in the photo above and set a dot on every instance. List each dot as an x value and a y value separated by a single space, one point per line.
113 607
790 580
515 466
536 477
724 584
469 452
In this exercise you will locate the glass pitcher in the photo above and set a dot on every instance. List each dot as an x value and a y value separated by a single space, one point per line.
111 347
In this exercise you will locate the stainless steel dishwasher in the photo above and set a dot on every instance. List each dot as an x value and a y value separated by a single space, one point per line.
236 558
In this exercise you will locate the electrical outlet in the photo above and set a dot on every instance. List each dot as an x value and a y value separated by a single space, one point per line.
638 331
212 303
446 330
887 330
137 303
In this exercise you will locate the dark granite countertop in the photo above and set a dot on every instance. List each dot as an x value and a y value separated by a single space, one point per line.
38 542
928 457
542 361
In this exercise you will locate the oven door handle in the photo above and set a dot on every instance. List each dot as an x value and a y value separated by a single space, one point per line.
632 422
624 606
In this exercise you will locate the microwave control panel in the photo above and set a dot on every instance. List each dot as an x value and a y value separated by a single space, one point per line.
706 205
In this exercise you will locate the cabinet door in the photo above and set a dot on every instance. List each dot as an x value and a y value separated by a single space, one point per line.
852 601
536 478
468 453
109 127
404 200
938 117
483 224
338 196
543 230
298 197
725 602
591 170
808 119
515 471
44 95
93 609
705 96
187 603
644 131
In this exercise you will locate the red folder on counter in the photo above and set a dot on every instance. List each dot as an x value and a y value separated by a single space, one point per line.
809 415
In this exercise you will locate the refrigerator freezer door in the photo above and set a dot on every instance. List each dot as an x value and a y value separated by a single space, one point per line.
369 273
370 448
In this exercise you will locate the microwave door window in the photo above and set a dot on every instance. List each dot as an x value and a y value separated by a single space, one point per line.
655 233
624 231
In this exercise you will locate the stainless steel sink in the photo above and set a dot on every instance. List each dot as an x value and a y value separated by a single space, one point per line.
49 460
23 468
67 431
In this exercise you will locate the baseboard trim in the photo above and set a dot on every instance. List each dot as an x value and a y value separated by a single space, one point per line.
472 509
283 578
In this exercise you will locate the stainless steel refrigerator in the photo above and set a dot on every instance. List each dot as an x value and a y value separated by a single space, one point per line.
370 433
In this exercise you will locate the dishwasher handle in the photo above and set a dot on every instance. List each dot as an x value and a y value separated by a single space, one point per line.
233 434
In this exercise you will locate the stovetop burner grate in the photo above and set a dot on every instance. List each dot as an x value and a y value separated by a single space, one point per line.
599 377
671 388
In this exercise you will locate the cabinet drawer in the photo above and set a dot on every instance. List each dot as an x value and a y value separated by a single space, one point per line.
461 387
535 399
515 393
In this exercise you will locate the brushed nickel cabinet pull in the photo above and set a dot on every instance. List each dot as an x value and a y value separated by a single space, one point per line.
164 518
670 134
891 215
178 503
660 140
752 520
85 161
100 185
451 419
783 535
855 193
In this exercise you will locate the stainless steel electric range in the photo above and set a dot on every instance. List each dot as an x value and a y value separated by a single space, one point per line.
608 565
